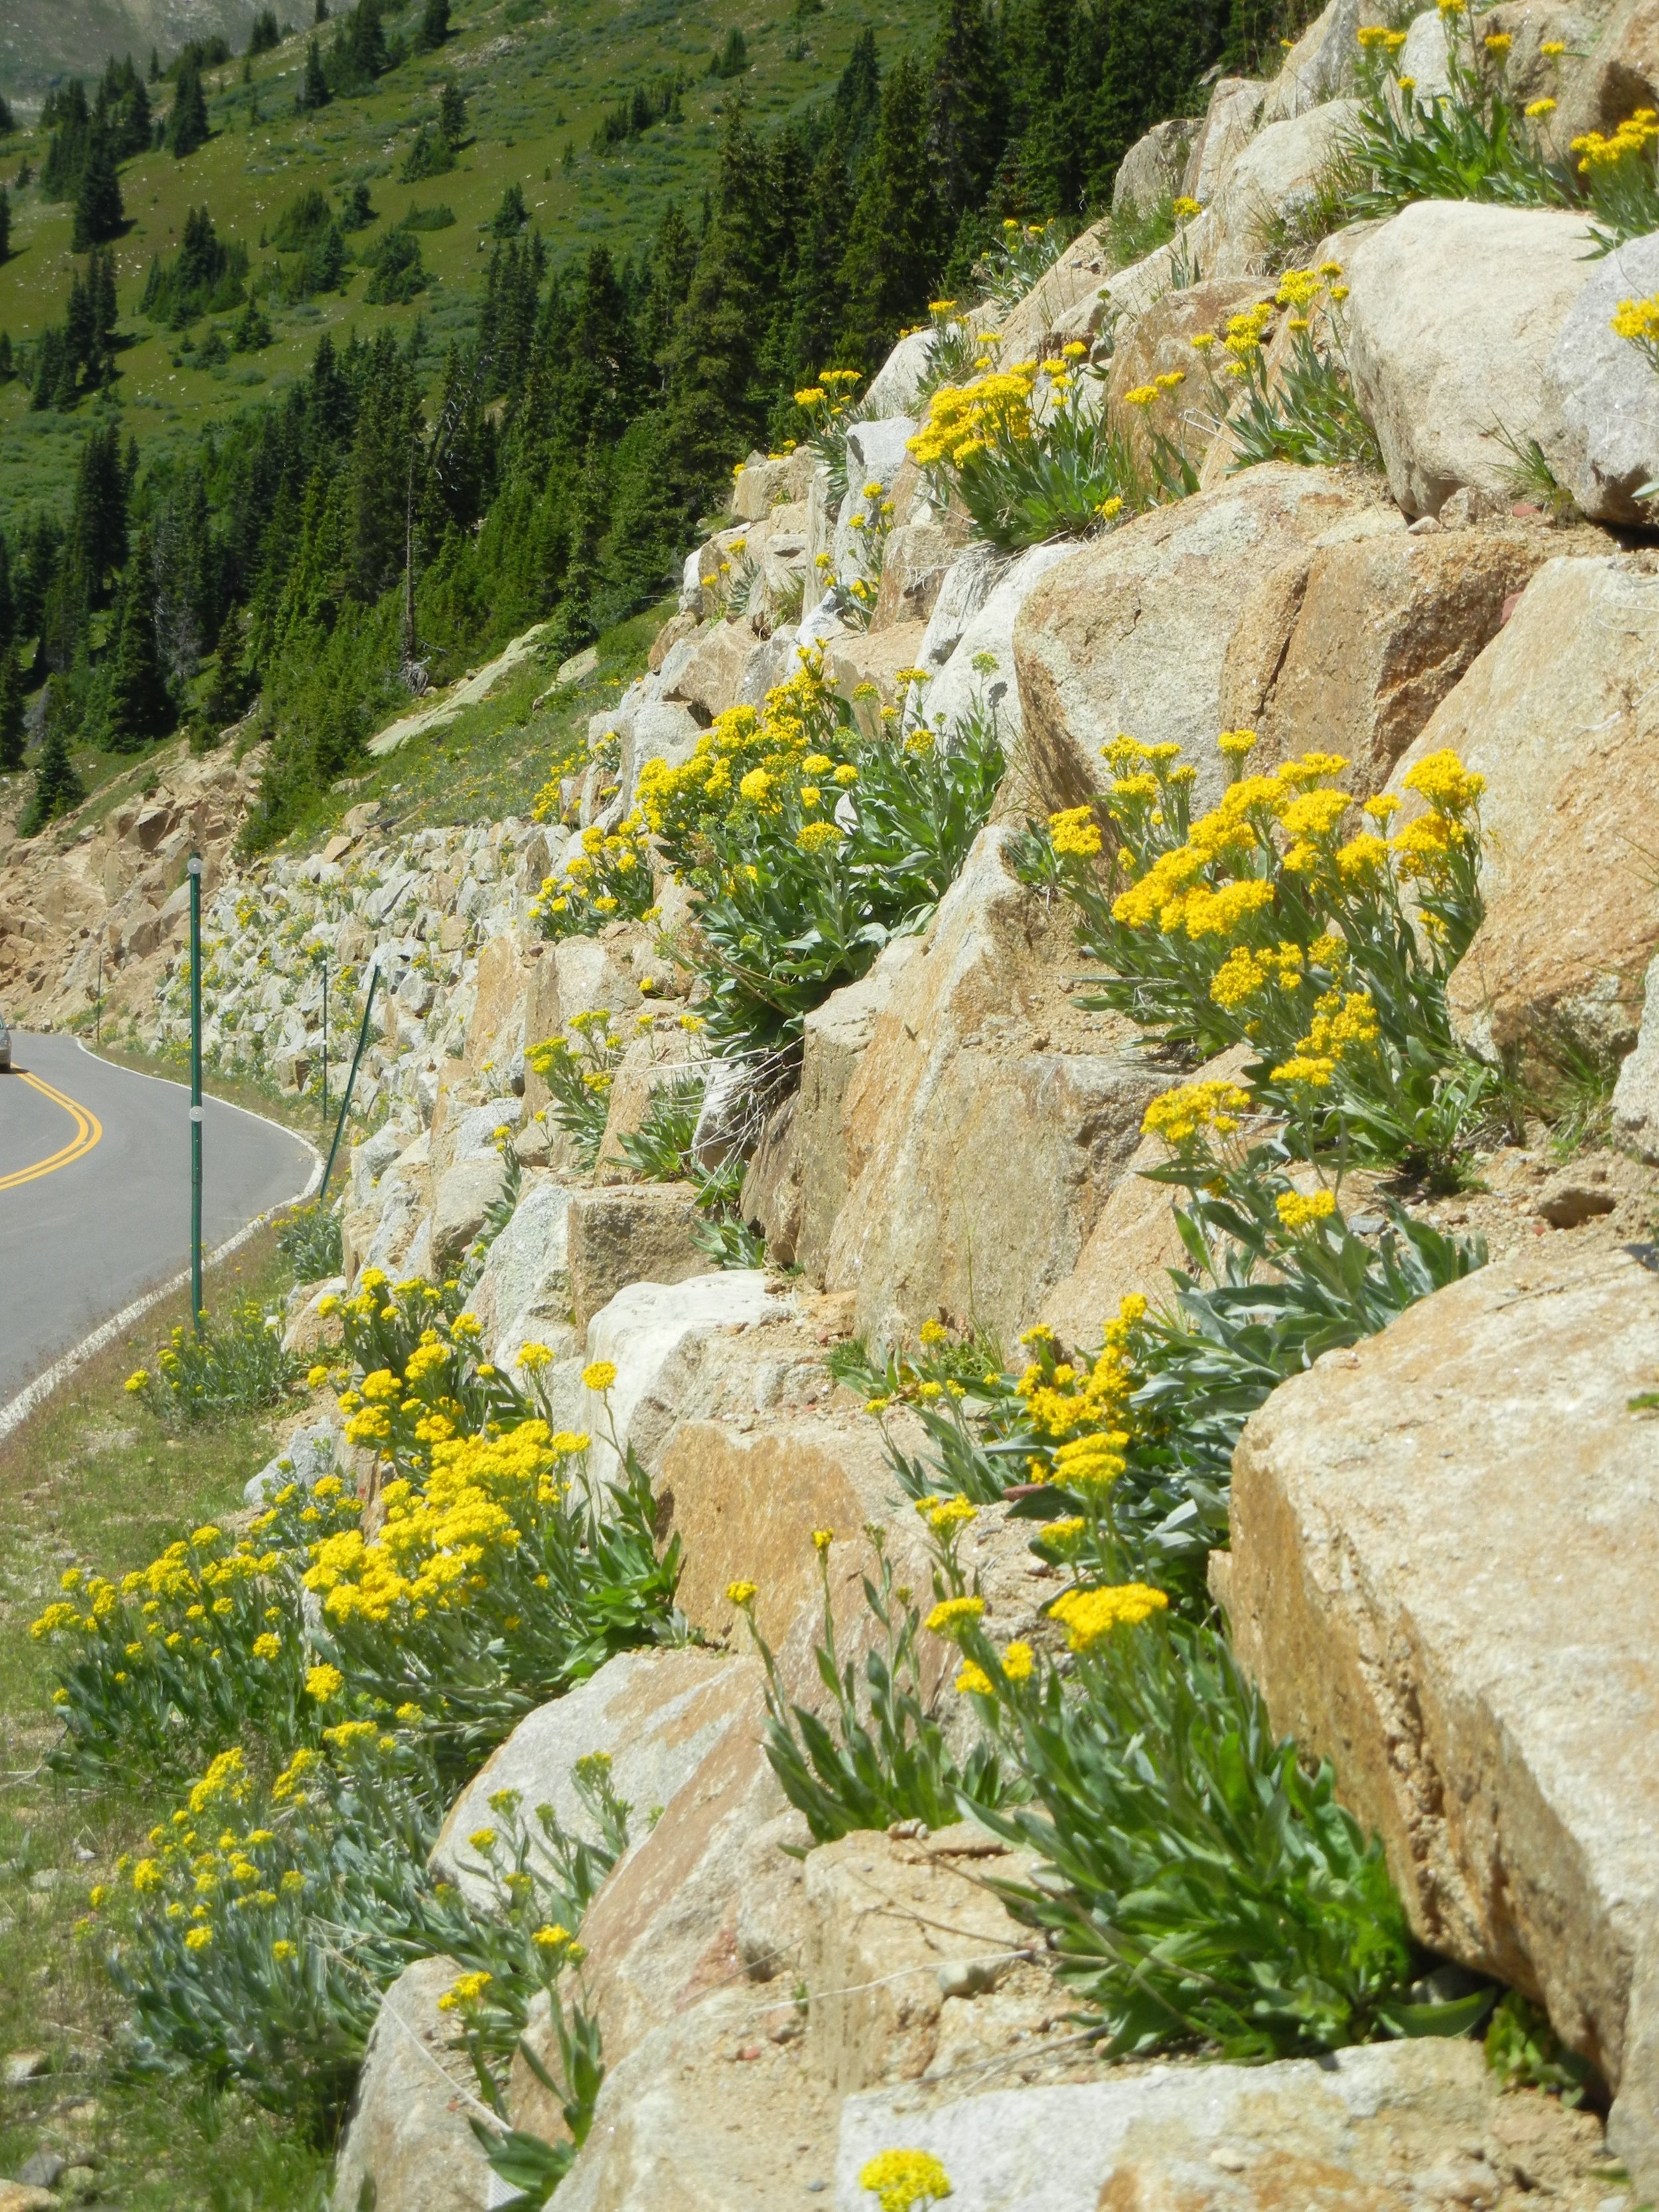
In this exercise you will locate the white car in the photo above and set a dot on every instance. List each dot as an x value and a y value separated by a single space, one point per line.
5 1046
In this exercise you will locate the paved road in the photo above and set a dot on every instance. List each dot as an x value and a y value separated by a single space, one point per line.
94 1192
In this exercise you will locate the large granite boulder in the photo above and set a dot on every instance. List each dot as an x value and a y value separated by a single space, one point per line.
1558 714
1442 1575
1133 633
1453 309
987 1121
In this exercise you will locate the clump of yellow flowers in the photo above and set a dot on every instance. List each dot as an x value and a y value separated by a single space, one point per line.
608 878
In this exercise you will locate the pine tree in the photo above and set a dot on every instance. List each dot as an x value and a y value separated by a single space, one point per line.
313 91
187 123
966 132
1150 61
434 26
138 705
717 407
855 107
893 247
11 712
99 214
57 787
673 259
818 309
452 114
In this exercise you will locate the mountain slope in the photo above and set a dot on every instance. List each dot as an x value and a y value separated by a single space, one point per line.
537 85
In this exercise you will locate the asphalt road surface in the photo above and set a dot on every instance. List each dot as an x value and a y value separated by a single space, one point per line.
94 1192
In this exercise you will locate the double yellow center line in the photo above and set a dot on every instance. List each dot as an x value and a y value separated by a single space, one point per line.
89 1129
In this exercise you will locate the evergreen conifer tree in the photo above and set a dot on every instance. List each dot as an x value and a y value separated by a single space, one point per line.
11 712
98 213
313 91
57 784
893 246
187 121
138 705
855 107
717 407
966 131
452 113
818 307
434 26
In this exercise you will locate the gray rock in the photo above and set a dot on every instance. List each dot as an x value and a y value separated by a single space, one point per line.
408 2133
1319 65
464 1193
960 689
523 1295
1600 429
1453 310
894 388
1172 2135
1152 169
656 1714
1426 56
638 1234
1635 1094
643 1330
308 1455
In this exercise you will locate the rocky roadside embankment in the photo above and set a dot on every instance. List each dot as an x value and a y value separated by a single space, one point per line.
1443 1538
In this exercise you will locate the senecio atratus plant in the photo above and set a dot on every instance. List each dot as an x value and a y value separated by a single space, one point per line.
317 1691
809 843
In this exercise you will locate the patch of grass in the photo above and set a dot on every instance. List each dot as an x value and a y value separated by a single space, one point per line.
91 1480
494 757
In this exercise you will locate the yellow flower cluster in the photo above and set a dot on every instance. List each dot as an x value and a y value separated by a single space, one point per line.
963 419
435 1543
1075 832
1632 137
1343 1028
1178 1115
609 874
1297 1212
767 761
1090 1616
905 2180
1637 320
1378 38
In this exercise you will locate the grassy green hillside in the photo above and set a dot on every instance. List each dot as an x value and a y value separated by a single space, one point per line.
536 82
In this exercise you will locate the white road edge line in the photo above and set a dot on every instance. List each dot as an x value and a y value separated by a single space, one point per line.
18 1409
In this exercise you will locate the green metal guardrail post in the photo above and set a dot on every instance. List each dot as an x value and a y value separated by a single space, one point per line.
195 1091
351 1080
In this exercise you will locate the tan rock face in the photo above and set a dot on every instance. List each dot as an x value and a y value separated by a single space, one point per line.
987 1121
1353 653
1443 1577
1134 1243
1371 2129
744 1505
1152 169
890 1927
1159 343
1558 714
1051 303
1133 634
405 2136
862 657
1234 110
917 556
635 1234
